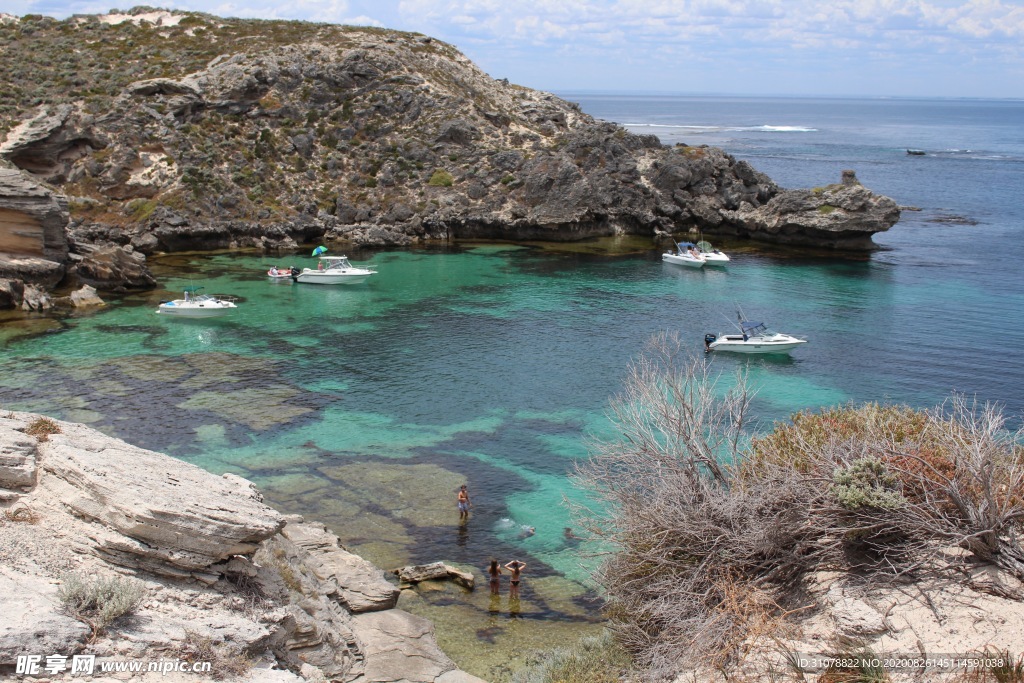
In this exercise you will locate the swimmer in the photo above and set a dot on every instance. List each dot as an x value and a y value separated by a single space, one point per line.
494 572
463 502
516 567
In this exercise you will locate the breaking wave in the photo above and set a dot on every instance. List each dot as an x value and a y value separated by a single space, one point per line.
726 129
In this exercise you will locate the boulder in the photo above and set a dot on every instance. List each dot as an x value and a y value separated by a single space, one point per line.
84 297
433 572
35 299
115 268
356 583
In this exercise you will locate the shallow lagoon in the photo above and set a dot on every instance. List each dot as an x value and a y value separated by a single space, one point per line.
366 406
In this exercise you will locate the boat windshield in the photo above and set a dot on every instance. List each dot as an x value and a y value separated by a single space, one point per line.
754 329
336 262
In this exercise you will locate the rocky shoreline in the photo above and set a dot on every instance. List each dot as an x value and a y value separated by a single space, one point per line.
339 134
270 597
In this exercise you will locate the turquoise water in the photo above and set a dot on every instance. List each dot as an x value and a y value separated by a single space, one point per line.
366 406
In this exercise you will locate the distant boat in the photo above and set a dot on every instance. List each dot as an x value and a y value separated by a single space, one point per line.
915 152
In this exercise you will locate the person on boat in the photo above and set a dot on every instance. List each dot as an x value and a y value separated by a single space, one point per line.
463 502
274 271
516 567
320 265
494 572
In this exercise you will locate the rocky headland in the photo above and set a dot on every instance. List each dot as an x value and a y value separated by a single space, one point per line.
153 131
223 578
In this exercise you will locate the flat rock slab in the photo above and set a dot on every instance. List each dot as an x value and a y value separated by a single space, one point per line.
399 646
359 585
153 508
31 623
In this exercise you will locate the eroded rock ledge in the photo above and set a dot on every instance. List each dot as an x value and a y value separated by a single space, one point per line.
216 563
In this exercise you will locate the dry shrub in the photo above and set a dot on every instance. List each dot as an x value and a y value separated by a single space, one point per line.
706 531
996 666
41 428
225 660
21 513
959 477
101 601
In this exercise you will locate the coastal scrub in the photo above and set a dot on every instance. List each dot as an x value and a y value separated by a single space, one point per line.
712 532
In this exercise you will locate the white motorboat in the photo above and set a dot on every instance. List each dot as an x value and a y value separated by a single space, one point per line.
754 337
686 254
712 256
196 305
334 270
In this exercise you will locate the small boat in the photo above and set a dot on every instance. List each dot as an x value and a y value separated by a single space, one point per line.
754 337
196 305
276 275
916 152
686 254
712 256
333 270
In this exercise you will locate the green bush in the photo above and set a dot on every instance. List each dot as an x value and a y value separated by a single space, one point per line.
441 178
867 482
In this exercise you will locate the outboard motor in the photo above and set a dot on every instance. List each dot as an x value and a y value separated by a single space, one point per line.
295 274
709 339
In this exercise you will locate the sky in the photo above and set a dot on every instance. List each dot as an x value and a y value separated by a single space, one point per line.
880 48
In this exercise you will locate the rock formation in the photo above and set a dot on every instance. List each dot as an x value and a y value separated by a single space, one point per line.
33 246
270 134
269 597
36 255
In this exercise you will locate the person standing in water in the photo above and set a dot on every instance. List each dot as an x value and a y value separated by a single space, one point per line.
494 572
516 567
463 502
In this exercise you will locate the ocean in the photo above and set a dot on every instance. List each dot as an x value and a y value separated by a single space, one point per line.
366 406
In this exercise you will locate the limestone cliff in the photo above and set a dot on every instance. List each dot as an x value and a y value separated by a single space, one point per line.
225 578
173 131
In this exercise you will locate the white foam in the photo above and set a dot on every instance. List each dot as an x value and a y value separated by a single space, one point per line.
786 129
725 129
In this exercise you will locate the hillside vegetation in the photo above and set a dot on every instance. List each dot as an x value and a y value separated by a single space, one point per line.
172 131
